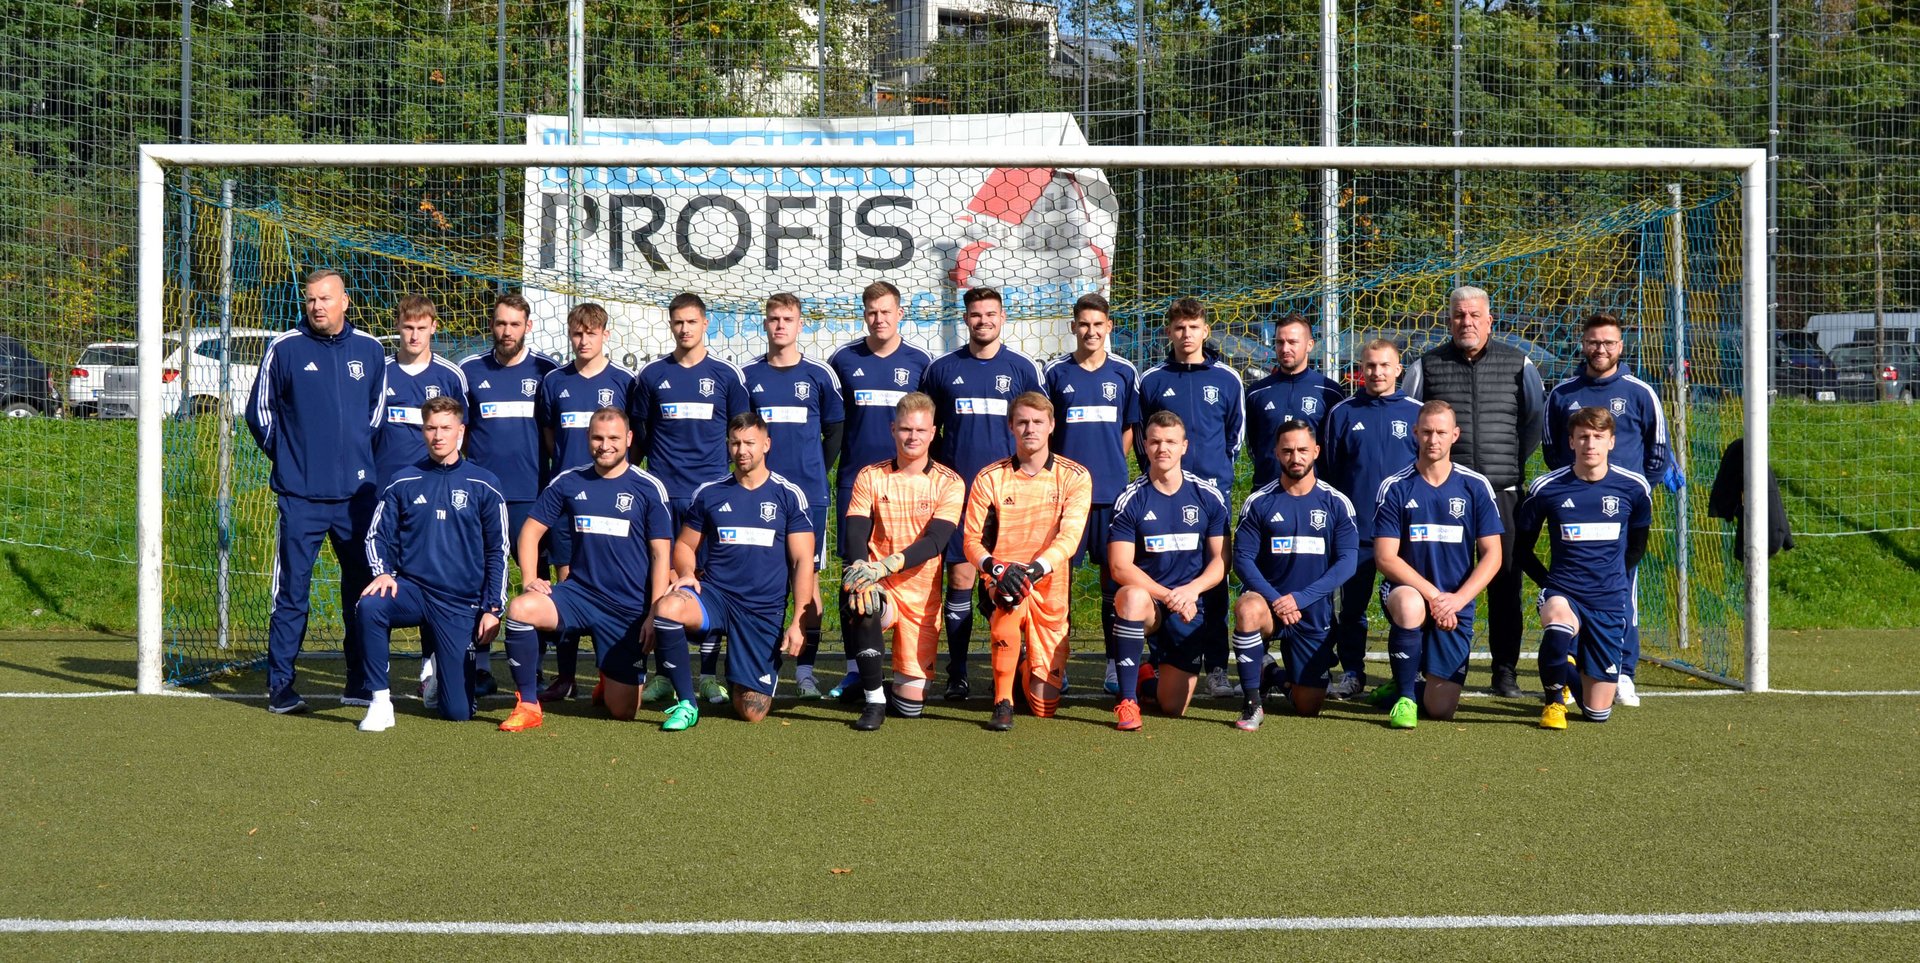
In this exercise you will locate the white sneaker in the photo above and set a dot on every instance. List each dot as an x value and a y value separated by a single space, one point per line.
1219 687
1349 686
379 714
1624 692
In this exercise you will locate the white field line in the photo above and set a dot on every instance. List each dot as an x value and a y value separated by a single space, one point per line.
922 927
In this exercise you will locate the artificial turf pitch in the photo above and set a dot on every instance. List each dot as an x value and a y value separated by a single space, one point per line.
209 809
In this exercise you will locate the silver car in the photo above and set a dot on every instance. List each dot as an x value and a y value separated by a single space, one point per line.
89 374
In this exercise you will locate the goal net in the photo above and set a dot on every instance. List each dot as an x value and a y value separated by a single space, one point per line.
820 209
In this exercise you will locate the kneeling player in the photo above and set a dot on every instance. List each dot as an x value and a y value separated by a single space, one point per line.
1166 549
437 548
746 541
1598 516
902 515
1025 516
621 533
1431 519
1296 545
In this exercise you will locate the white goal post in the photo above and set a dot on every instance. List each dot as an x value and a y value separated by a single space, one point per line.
156 159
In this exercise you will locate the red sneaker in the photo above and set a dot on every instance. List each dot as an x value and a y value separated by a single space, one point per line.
1126 715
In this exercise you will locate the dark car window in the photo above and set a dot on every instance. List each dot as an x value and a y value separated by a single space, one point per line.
109 355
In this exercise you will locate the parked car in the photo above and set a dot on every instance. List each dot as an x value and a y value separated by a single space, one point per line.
192 375
89 373
1858 378
1801 368
26 382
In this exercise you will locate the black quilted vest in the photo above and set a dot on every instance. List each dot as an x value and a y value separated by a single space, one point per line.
1486 399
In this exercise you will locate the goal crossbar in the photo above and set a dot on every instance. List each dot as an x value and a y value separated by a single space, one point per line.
155 159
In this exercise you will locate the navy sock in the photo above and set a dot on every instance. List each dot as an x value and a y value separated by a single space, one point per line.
1128 638
670 640
958 614
567 654
1248 648
523 658
1404 651
1556 643
710 654
811 650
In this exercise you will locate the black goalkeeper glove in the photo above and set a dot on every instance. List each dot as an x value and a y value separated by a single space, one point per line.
1011 582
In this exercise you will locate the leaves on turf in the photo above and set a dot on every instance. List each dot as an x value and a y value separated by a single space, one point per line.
840 871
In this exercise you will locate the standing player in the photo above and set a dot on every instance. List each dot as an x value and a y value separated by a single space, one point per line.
621 533
875 372
1292 392
503 434
972 388
1025 517
800 400
902 515
1367 438
414 374
1098 397
1639 430
1433 518
1295 547
568 399
315 406
1209 399
1167 544
680 406
1598 514
437 547
745 544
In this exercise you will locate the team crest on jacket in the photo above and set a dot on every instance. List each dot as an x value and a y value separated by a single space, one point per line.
459 500
433 391
1309 405
1399 429
1003 382
1317 518
528 386
356 370
606 397
1211 393
1190 514
768 510
1610 505
1617 405
1109 391
900 376
1457 507
800 390
706 387
623 501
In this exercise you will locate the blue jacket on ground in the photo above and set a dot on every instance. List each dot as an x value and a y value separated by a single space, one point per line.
315 407
444 528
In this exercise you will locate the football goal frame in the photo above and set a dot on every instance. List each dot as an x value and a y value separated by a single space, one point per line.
1749 165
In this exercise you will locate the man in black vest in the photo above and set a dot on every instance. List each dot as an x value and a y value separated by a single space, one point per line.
1500 402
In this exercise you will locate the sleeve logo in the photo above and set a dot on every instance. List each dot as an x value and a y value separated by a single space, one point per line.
1457 507
768 510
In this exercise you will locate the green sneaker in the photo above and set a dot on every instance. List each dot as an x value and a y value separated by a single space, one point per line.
1383 695
681 716
711 690
1405 715
658 687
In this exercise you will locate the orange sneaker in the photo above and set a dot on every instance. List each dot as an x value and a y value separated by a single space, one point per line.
1126 715
526 715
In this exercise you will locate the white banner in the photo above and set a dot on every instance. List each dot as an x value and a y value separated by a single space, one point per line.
735 235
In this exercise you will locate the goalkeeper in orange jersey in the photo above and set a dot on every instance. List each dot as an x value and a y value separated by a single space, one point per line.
901 516
1025 516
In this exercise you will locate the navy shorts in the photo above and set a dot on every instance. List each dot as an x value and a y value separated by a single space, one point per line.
1444 652
753 637
615 630
1309 657
1602 638
1093 542
1180 643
